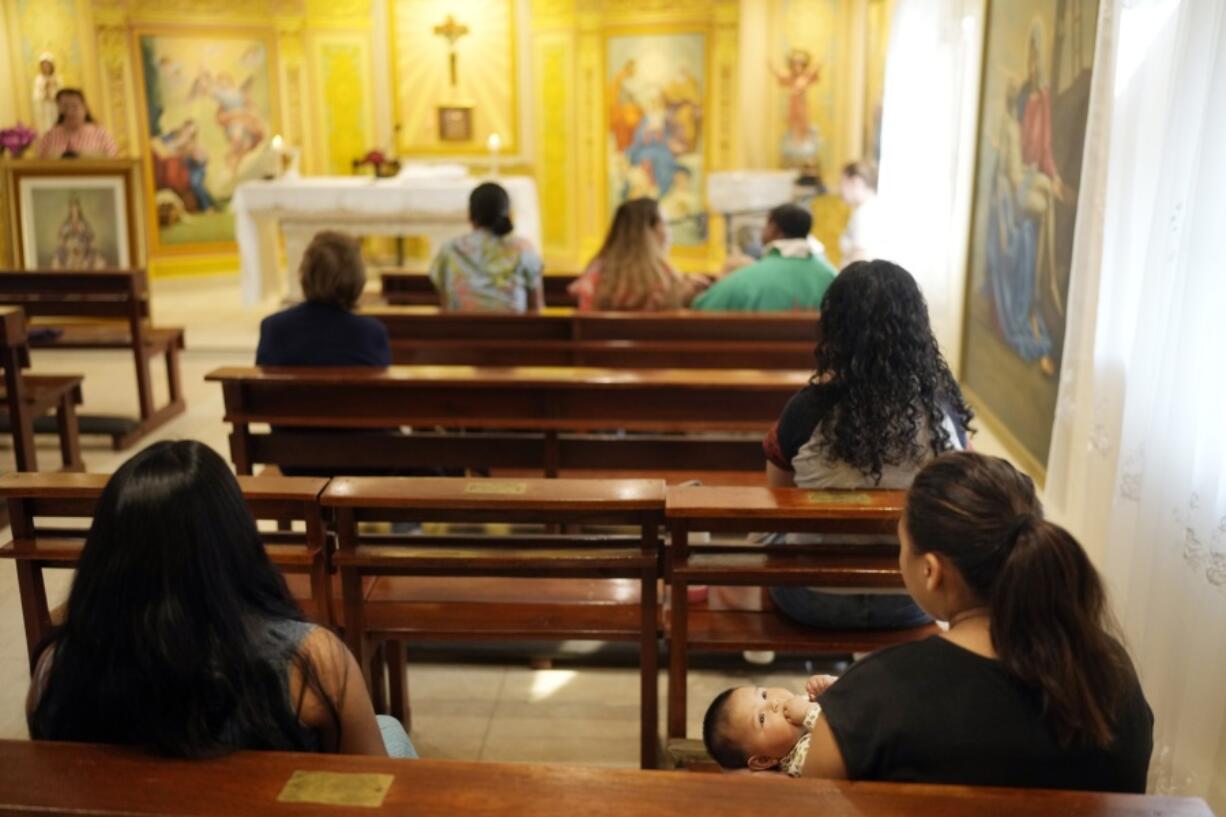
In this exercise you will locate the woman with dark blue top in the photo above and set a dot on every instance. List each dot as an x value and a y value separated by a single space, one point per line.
322 330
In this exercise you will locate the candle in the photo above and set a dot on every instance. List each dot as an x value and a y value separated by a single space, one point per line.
494 143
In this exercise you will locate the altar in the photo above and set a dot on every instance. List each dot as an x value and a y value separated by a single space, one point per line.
433 207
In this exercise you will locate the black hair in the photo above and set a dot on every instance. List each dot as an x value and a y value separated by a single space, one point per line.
792 220
163 645
882 368
79 94
1050 625
489 207
714 735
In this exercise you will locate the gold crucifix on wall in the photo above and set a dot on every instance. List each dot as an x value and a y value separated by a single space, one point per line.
450 30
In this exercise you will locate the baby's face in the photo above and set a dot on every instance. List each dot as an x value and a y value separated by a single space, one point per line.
755 721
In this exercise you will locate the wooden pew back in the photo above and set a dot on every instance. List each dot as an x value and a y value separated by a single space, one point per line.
421 336
394 612
118 303
247 784
414 288
37 544
549 403
116 294
827 564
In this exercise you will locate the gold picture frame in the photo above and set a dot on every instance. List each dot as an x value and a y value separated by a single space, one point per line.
77 213
455 123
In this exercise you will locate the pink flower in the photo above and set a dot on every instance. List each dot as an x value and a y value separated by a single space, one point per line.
16 138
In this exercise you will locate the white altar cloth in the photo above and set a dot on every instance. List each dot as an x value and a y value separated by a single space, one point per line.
435 207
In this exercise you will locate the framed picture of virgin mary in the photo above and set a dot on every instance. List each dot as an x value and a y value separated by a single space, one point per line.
1034 99
78 215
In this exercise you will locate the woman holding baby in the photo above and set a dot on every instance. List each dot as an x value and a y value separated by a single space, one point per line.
1029 687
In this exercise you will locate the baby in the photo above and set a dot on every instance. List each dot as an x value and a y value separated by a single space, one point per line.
761 728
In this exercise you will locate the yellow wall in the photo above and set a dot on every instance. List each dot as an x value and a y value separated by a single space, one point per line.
343 71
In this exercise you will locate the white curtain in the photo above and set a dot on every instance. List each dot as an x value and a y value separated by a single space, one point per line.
928 151
1138 462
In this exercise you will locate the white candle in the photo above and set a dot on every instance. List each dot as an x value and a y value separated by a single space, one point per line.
494 143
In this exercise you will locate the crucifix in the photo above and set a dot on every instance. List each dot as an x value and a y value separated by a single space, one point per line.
451 31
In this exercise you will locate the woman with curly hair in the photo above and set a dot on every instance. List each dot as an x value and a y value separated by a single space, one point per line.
881 404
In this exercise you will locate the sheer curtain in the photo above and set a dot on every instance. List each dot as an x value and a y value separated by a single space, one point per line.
928 151
1138 462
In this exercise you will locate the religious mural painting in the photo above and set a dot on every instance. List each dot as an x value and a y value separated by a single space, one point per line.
208 121
1038 57
656 91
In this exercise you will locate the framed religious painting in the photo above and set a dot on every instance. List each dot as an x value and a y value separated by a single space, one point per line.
1038 58
75 215
654 134
208 115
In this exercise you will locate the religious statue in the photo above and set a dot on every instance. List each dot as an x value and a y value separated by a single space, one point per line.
801 142
46 85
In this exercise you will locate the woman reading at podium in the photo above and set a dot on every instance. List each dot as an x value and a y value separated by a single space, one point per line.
74 133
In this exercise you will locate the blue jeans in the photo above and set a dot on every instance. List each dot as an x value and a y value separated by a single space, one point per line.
848 611
395 739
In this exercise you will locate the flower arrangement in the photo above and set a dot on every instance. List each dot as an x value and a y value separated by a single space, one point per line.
16 139
383 166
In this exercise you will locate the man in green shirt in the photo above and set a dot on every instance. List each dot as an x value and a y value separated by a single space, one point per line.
791 275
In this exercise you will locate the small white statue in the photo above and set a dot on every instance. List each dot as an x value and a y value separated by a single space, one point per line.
46 85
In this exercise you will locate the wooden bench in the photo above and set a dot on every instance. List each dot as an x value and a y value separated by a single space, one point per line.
38 504
414 288
686 340
29 397
116 305
106 781
555 420
792 510
541 590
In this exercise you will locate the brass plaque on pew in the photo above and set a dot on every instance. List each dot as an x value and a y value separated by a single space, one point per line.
497 486
839 498
336 788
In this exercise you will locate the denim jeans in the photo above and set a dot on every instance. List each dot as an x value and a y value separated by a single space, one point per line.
849 611
395 739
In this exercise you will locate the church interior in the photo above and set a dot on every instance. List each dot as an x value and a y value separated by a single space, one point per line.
513 389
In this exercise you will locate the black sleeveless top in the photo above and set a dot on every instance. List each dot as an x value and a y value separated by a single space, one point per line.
933 712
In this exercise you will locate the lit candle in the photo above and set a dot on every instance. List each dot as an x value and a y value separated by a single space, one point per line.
277 143
494 143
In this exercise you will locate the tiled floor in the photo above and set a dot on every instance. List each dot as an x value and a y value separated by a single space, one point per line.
461 711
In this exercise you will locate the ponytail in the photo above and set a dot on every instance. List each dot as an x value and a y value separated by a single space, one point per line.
503 226
1048 613
1050 625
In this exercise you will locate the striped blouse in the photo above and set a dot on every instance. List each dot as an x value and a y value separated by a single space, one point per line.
89 140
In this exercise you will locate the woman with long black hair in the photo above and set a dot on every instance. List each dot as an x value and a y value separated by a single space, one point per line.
180 636
882 403
1029 687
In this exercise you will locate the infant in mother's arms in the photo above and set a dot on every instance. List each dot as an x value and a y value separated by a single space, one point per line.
762 728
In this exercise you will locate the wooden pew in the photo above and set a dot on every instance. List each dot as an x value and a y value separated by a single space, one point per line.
740 511
414 288
39 503
107 781
29 397
117 306
517 418
540 593
687 340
